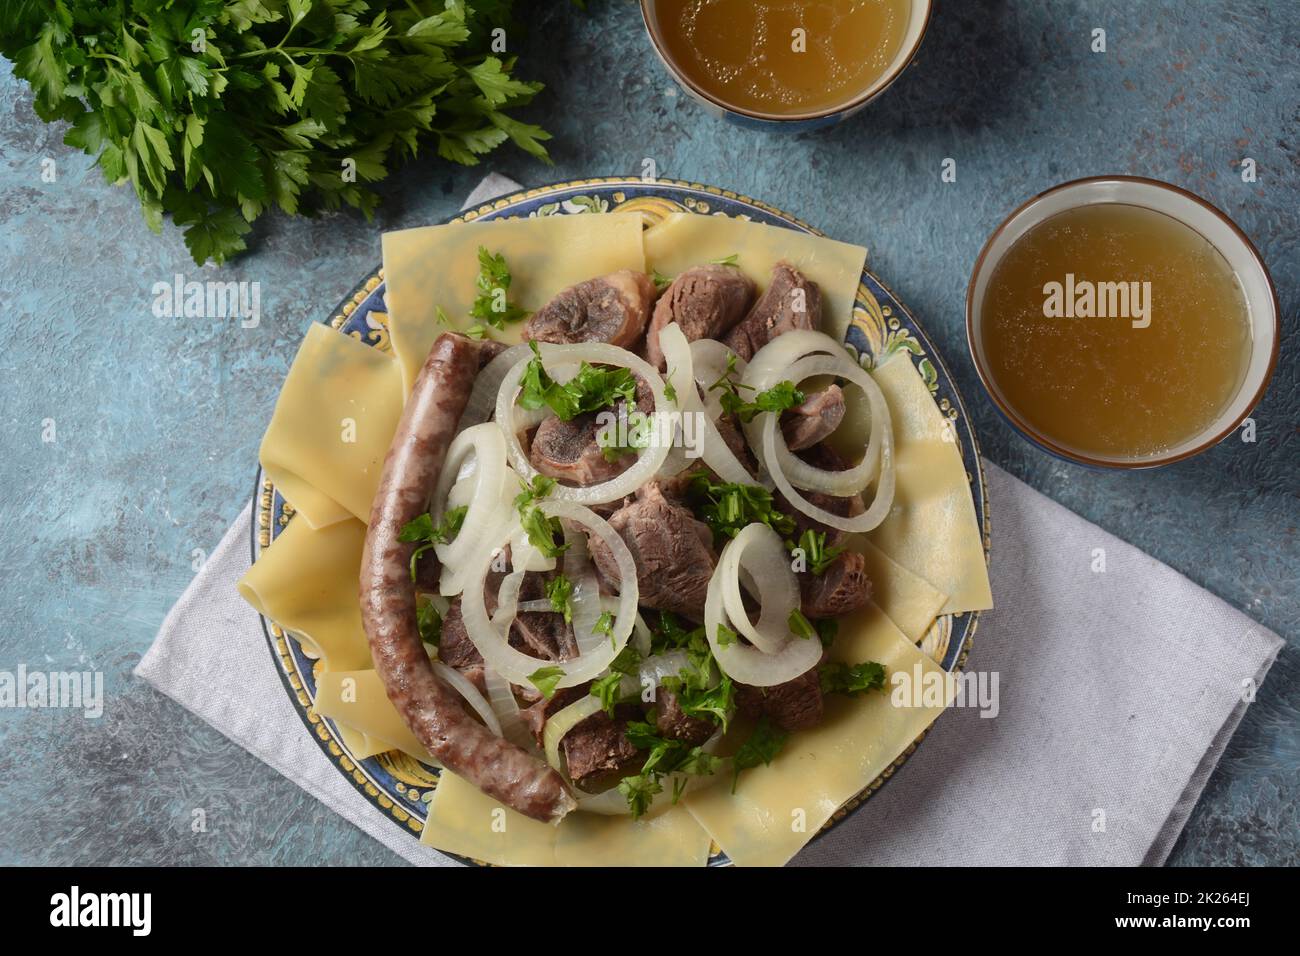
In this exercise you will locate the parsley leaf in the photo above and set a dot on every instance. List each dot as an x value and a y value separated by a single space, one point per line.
491 305
730 260
589 391
726 636
839 678
728 507
545 679
813 545
559 591
609 690
761 748
423 531
800 626
430 623
640 791
217 111
541 529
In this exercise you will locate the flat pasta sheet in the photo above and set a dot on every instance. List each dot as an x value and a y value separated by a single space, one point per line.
931 529
778 808
465 821
307 583
683 240
332 426
357 699
437 267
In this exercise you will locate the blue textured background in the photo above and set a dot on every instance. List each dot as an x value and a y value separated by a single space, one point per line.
158 420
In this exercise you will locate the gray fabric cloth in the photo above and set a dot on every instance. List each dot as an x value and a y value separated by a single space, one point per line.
1118 691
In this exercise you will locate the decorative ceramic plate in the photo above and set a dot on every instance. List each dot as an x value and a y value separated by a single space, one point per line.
400 785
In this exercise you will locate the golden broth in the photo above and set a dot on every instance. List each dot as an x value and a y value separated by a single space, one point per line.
1115 386
782 57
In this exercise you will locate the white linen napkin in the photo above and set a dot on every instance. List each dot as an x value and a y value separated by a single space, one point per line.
1117 693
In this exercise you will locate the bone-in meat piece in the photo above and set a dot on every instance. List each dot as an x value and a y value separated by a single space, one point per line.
613 308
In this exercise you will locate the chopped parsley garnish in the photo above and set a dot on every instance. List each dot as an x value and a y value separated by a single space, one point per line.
430 623
827 628
702 690
640 791
605 625
761 748
423 531
559 591
670 391
838 678
730 260
661 281
545 679
609 690
817 556
726 636
666 756
800 626
541 529
590 390
491 305
728 507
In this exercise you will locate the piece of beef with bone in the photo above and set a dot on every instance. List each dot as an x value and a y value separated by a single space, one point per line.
705 302
795 705
673 553
570 452
790 302
820 414
613 308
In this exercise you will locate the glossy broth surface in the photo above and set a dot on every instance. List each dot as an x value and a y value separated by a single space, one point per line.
1099 386
745 53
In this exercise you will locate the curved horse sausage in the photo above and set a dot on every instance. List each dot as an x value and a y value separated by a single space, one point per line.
430 708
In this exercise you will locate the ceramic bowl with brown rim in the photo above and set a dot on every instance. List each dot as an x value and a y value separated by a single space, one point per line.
685 68
1248 270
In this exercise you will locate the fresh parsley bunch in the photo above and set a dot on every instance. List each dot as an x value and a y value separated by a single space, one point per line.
217 110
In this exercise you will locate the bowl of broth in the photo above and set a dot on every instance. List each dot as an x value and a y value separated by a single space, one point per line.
1122 322
785 64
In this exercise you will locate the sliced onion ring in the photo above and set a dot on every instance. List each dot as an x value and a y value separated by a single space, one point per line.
741 662
796 356
561 722
461 684
767 561
680 356
493 644
485 510
648 462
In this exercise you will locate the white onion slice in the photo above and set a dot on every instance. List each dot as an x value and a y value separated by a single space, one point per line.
759 551
493 643
483 396
707 360
561 722
648 462
796 356
744 663
485 511
508 601
852 480
585 599
461 684
503 703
